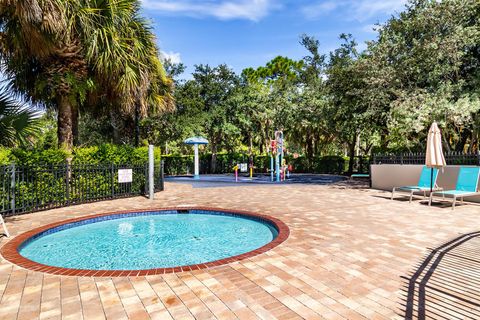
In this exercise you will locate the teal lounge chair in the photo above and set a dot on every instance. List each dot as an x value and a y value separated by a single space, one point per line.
467 184
424 184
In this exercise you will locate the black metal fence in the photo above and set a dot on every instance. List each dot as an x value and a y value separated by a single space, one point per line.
452 158
32 188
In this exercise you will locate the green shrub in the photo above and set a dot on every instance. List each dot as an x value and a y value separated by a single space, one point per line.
109 153
38 157
224 162
4 156
177 165
261 163
86 155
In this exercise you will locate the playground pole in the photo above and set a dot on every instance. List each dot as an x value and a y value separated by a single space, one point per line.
277 167
281 156
271 166
196 172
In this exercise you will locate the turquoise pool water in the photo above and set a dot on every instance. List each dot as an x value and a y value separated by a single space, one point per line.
148 240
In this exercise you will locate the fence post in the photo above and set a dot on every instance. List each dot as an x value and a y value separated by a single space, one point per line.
12 188
68 173
162 175
113 180
151 160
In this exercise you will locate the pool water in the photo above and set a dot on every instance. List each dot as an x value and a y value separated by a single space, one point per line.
148 241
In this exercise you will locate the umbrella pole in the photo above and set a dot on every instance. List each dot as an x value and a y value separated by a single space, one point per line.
431 180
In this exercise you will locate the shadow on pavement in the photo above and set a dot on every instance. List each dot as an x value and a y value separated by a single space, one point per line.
446 284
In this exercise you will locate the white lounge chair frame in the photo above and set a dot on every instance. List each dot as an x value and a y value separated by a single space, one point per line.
454 202
412 191
455 196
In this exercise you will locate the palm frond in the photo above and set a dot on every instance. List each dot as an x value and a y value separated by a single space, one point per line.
18 124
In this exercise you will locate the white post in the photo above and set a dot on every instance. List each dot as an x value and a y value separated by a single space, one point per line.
151 160
196 162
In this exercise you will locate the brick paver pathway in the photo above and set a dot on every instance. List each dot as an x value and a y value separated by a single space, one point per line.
351 254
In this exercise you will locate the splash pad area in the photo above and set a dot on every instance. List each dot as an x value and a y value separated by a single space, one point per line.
223 180
243 173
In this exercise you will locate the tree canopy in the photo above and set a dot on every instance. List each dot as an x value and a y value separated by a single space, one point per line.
422 66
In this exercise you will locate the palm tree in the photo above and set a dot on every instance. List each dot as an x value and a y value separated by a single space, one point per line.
60 53
44 62
131 79
17 123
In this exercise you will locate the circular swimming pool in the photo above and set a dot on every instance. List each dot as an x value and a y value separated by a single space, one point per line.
149 242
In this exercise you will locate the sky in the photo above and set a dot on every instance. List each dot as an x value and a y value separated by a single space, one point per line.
249 33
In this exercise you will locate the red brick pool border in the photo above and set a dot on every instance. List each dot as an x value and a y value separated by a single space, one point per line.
10 250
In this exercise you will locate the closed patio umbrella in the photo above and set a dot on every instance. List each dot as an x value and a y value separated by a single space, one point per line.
434 157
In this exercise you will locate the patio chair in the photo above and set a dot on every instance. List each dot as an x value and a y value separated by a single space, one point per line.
467 184
424 184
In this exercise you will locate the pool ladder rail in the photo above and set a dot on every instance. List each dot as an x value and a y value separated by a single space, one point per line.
4 226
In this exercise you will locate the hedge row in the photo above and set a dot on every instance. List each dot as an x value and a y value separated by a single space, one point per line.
102 154
174 164
178 164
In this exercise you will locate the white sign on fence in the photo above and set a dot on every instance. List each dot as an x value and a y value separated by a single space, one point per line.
124 175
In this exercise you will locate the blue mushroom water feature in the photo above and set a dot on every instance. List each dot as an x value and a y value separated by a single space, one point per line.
196 141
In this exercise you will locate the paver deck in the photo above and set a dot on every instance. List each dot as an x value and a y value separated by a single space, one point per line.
351 253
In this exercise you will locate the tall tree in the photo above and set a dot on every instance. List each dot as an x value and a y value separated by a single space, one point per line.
427 68
58 53
310 127
215 86
44 63
348 111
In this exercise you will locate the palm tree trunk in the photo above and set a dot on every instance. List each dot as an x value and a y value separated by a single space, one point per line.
75 125
65 122
117 124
